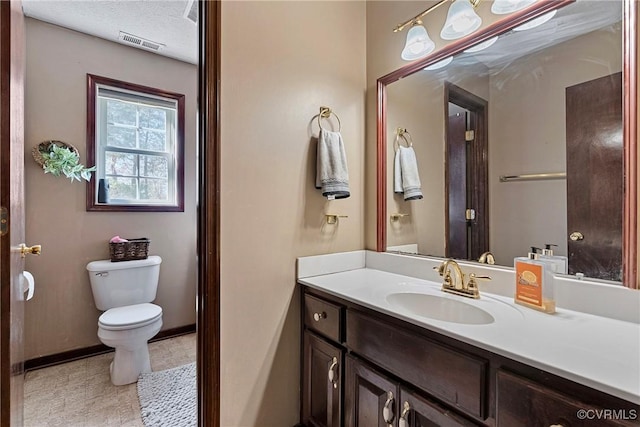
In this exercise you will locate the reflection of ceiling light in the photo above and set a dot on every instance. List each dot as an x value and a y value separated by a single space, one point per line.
462 20
502 7
440 64
482 46
536 22
418 43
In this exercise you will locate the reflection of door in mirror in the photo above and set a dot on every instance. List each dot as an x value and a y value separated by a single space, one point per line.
466 226
594 196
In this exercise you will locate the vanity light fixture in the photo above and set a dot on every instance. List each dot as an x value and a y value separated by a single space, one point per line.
440 64
461 21
503 7
536 22
482 46
418 44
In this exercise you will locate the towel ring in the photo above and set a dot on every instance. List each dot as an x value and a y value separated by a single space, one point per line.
325 113
404 134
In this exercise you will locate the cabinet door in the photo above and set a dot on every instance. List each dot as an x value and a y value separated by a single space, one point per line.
371 399
322 373
521 401
417 411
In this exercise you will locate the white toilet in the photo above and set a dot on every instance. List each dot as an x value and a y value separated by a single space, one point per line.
125 290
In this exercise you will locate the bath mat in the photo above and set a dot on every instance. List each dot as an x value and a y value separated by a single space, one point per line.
168 398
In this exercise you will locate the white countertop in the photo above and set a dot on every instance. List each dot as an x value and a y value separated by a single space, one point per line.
595 351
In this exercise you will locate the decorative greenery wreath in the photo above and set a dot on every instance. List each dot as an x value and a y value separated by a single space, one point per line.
58 157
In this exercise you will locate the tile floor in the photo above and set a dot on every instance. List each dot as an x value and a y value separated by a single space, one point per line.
80 393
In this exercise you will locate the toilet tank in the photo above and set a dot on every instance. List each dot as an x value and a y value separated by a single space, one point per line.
116 284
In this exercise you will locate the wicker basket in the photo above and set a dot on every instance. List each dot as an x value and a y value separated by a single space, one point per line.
129 251
44 146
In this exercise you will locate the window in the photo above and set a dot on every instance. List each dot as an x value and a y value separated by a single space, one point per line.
136 140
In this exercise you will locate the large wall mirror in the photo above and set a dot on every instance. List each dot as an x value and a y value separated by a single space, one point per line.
522 137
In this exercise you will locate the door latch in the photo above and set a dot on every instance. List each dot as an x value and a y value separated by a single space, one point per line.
4 221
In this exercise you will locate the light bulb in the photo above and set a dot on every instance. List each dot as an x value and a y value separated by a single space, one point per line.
462 23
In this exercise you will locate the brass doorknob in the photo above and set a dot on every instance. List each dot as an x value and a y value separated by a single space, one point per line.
34 250
576 235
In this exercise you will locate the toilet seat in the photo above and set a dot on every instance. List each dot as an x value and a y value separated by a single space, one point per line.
129 317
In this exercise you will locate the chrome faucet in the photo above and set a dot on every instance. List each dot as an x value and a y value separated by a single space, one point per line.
456 285
487 258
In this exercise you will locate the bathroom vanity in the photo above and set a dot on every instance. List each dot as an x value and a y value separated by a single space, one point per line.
386 349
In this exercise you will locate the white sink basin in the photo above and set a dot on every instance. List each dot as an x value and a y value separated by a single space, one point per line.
440 308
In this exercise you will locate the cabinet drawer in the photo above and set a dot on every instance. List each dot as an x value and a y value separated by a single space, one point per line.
456 378
520 401
323 317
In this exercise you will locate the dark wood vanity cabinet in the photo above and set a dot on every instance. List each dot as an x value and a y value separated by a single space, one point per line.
371 399
323 360
418 411
363 368
322 368
521 401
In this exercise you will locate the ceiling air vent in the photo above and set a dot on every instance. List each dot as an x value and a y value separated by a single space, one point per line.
130 39
191 11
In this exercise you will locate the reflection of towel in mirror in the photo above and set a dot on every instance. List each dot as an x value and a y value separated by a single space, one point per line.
332 176
405 175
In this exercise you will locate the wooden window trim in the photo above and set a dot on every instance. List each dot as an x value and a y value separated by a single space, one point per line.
92 82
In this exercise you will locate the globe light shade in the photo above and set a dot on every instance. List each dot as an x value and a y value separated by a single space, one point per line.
440 64
536 22
462 20
482 46
503 7
418 44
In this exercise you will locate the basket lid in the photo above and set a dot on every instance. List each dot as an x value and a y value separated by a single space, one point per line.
107 265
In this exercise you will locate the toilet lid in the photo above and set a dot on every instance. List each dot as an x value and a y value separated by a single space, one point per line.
130 315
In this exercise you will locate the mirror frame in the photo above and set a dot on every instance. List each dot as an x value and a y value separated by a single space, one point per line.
630 207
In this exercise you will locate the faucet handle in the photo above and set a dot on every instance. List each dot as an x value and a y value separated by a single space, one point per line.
472 280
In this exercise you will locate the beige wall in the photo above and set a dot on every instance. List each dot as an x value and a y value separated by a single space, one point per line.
524 138
62 315
298 57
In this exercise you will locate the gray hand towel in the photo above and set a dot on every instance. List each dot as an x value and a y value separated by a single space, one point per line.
332 176
405 177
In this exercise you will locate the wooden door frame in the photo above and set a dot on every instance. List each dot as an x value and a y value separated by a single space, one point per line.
208 292
480 159
208 295
12 72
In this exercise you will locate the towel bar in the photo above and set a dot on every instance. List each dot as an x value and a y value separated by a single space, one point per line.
533 177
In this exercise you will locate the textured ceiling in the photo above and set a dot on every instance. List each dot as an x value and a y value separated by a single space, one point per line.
160 21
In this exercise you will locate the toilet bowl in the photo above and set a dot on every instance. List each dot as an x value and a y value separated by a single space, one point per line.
124 291
127 329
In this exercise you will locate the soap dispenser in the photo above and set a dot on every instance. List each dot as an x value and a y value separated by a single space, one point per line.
534 282
560 262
